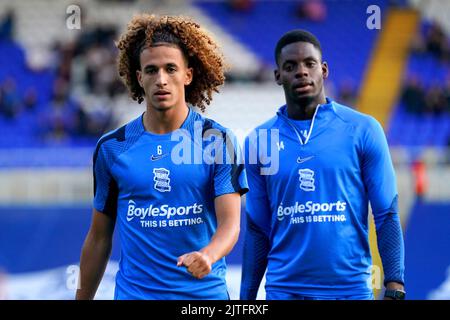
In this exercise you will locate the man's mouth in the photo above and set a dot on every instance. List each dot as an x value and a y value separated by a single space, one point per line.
303 86
161 94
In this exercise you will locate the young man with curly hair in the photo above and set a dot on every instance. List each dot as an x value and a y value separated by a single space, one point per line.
177 217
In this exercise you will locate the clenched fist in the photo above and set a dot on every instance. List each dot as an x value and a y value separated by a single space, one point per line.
197 263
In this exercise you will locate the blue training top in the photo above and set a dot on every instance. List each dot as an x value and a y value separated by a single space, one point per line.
313 203
160 188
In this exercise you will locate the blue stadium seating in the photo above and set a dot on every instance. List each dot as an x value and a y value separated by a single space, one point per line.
21 131
407 129
345 39
24 131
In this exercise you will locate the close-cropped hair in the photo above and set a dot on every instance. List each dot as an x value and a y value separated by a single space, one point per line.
297 35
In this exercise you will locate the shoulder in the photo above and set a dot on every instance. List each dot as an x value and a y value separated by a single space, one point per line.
210 127
118 140
269 124
208 124
272 123
362 121
370 135
348 114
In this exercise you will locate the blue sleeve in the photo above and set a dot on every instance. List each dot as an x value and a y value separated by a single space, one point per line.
105 187
379 179
257 232
256 249
378 173
391 248
230 175
257 202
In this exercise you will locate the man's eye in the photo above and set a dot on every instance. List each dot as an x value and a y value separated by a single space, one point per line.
171 69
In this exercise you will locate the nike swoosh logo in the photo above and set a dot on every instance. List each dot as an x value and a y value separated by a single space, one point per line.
302 160
155 158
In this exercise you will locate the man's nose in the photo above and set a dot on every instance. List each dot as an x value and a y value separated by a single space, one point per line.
161 78
302 71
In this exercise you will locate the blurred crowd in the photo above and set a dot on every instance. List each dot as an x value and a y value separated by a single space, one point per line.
433 98
86 67
11 102
418 98
312 10
81 68
433 41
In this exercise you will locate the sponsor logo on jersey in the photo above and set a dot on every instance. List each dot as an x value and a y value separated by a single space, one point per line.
161 211
310 207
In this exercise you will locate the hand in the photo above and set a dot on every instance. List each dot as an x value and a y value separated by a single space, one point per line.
393 286
197 263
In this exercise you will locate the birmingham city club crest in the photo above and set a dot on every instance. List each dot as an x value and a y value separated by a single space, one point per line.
162 180
306 177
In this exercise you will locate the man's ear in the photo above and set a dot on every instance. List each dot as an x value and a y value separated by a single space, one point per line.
276 72
139 77
325 70
189 76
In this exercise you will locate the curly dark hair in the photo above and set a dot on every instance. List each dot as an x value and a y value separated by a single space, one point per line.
200 50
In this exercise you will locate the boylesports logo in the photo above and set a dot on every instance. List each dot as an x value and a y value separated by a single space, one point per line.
309 207
161 211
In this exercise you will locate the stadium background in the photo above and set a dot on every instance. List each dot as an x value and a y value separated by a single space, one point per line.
59 91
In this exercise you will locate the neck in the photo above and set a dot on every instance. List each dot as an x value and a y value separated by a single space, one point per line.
164 121
304 109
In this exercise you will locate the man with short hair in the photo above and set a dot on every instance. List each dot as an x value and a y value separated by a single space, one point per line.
308 222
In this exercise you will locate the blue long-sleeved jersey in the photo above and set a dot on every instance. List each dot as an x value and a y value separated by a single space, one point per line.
313 204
